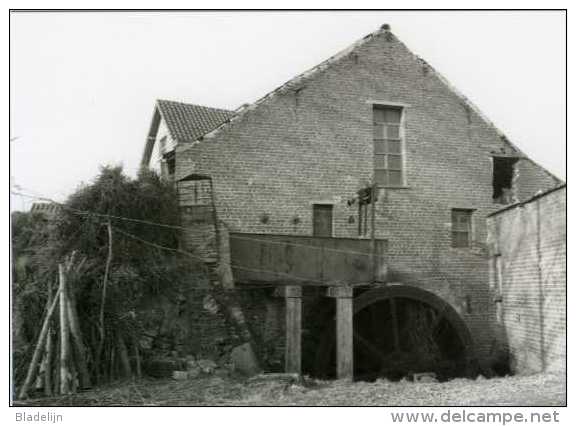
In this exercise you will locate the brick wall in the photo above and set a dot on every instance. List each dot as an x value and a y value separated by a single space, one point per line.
312 142
528 243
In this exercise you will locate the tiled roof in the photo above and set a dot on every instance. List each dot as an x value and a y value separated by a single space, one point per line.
187 122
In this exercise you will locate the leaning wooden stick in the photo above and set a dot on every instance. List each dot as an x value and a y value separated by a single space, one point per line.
64 334
48 354
38 350
48 371
77 339
137 357
102 329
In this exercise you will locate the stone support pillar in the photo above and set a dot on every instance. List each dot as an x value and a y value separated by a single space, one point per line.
293 354
344 331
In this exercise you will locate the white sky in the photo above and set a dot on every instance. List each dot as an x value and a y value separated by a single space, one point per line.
83 85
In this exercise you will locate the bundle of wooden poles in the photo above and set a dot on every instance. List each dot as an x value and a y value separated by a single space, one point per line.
60 357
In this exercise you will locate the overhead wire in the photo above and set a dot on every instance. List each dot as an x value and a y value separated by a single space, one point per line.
235 236
157 246
232 265
264 241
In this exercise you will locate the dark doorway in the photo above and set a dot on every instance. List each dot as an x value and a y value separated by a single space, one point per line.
322 220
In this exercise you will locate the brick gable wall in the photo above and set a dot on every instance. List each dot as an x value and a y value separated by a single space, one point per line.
313 143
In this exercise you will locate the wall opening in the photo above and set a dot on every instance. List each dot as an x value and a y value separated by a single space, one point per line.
504 169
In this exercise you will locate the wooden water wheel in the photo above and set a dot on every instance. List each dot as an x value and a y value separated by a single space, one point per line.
399 331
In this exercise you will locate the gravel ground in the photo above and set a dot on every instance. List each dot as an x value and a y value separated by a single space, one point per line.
536 390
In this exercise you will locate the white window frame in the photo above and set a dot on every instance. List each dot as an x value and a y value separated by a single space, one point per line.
402 137
470 227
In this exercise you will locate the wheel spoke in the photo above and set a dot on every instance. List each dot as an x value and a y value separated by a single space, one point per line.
373 349
437 320
395 330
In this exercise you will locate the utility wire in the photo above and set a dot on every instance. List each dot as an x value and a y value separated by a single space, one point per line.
240 237
160 247
102 215
106 216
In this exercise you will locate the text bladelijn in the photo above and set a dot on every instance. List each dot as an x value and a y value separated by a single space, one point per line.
39 417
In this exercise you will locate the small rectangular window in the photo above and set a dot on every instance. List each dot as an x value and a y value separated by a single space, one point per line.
169 165
461 227
387 136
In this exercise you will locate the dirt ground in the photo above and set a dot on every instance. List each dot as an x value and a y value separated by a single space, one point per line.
541 390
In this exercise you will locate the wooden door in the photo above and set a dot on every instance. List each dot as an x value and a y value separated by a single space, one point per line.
322 220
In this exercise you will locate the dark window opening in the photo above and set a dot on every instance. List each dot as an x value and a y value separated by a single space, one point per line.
388 152
169 165
502 179
461 228
322 220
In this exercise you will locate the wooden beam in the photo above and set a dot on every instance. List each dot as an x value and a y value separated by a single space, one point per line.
395 330
64 337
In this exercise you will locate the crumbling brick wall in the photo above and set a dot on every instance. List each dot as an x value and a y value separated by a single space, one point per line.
312 143
528 247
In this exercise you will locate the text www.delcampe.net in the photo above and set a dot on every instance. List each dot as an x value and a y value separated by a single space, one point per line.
467 416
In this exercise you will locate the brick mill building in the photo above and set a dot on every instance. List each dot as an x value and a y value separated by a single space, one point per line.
284 190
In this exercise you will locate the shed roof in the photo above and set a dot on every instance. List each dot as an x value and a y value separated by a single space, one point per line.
187 122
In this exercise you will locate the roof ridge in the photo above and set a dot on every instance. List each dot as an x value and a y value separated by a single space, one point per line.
476 109
240 112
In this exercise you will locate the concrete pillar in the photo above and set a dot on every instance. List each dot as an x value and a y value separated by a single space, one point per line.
293 354
344 331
